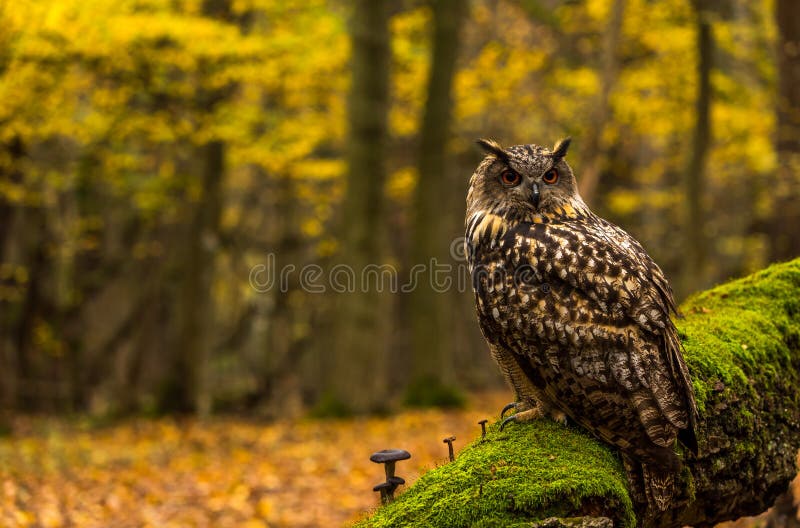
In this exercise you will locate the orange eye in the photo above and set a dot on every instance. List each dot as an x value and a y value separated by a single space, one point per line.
510 178
550 177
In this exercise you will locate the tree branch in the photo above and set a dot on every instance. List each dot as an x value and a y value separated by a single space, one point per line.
742 343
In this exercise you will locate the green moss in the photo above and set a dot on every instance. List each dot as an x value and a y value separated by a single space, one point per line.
522 474
743 332
742 344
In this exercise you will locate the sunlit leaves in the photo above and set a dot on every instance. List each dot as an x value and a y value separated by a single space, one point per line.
120 77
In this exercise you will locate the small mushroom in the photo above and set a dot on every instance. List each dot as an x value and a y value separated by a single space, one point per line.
397 481
483 428
389 457
387 492
449 441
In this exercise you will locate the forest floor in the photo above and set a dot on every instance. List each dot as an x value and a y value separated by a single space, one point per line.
219 472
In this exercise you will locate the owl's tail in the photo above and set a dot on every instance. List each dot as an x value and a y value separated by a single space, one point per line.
651 483
659 486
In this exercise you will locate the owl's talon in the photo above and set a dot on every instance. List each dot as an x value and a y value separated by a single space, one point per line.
506 421
522 416
508 407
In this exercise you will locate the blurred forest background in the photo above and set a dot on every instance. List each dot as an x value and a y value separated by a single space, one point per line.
153 153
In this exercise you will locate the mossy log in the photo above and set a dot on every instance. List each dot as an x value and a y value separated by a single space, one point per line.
742 345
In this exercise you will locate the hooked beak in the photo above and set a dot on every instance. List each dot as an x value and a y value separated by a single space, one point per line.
536 195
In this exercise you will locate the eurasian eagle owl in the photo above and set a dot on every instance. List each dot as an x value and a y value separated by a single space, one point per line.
577 314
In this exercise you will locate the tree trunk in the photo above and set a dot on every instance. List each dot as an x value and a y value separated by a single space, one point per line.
281 373
783 232
592 155
187 389
355 373
9 378
742 346
30 362
693 273
435 227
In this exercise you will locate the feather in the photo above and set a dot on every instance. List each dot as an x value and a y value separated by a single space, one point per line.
491 146
560 148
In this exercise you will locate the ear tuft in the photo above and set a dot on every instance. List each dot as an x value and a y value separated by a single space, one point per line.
491 146
560 148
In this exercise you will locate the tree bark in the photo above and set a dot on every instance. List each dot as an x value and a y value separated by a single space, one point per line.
742 346
693 273
356 362
783 233
435 227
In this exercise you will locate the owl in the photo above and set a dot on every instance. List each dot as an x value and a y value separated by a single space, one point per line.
577 315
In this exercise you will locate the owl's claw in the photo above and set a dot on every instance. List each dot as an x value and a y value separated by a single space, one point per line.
512 418
522 415
508 407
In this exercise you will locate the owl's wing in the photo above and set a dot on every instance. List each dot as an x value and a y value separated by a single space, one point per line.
613 270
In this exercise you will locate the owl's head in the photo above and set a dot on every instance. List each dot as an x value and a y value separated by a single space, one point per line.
523 181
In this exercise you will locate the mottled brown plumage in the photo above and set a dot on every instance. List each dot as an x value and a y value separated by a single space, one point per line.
577 314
